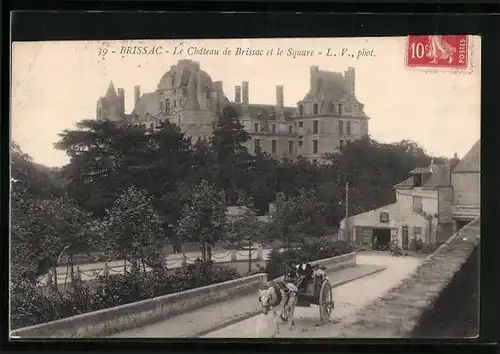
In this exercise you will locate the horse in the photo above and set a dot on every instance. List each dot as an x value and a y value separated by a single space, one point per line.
283 295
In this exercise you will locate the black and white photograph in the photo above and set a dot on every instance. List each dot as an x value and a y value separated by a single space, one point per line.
246 188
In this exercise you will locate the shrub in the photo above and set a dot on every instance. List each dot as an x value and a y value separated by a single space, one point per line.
30 307
278 262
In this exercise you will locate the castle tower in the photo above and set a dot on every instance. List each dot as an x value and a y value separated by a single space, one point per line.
350 77
237 94
244 96
313 79
280 103
137 94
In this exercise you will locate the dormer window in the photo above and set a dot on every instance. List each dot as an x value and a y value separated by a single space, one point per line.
315 108
417 180
341 109
301 110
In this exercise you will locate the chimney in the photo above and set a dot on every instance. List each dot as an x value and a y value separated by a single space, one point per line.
121 99
137 94
244 94
447 169
454 161
279 96
350 77
314 71
237 94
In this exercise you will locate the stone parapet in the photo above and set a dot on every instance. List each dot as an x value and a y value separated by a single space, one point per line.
397 314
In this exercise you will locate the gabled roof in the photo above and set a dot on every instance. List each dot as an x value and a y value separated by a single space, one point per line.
471 162
421 170
438 177
407 183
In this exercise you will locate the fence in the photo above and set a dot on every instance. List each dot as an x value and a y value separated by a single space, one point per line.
92 271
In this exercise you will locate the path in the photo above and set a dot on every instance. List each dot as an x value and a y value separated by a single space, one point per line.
242 311
349 298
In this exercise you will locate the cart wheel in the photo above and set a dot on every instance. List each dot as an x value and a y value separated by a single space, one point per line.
326 304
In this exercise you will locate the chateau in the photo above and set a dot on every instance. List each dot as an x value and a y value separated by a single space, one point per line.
328 116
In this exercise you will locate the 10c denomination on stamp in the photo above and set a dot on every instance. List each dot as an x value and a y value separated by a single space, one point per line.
438 51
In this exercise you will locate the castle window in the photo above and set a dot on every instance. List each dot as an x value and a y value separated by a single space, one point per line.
301 124
348 128
290 147
315 127
274 146
341 111
315 146
290 129
161 106
315 108
256 127
274 128
333 108
167 106
301 110
341 143
301 143
341 127
256 145
175 103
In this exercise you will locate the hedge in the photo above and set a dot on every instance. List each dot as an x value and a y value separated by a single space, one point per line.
30 307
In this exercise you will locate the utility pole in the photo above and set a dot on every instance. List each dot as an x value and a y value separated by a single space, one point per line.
347 210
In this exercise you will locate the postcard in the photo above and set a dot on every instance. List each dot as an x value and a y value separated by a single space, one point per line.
246 188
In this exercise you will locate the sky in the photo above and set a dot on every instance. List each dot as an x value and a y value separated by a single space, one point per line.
56 84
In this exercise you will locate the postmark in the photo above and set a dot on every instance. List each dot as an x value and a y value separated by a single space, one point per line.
438 52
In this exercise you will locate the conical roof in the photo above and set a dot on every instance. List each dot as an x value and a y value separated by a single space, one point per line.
471 162
111 92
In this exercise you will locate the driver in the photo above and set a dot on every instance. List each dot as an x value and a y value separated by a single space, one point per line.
305 272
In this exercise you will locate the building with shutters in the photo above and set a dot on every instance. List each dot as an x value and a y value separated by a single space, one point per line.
328 117
431 204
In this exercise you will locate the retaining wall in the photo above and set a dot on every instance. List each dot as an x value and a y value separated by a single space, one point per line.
121 318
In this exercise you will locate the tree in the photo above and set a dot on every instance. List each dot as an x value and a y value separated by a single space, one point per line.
232 157
284 224
133 230
41 230
204 218
29 178
101 153
311 214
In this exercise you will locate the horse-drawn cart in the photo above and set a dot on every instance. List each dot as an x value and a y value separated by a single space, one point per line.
318 292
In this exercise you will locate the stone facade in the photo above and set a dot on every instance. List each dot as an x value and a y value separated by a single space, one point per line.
422 211
466 181
328 116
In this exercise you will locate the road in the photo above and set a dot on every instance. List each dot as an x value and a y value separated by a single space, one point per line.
92 270
349 298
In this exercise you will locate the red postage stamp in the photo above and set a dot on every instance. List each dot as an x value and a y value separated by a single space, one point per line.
438 51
